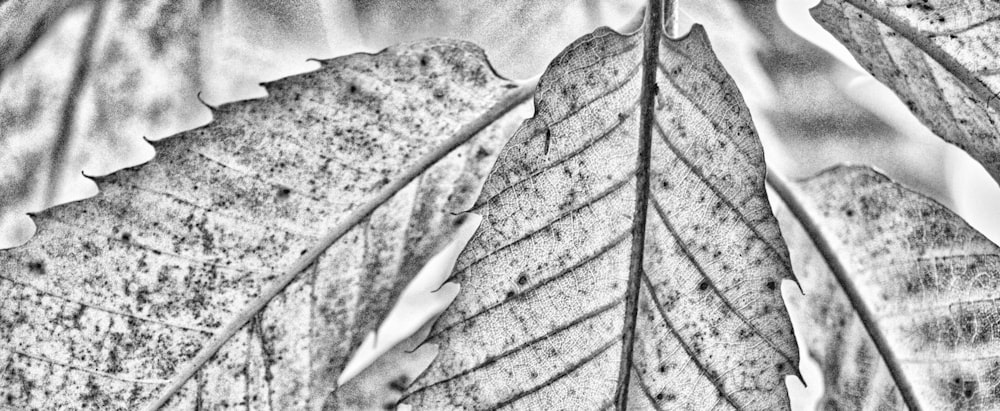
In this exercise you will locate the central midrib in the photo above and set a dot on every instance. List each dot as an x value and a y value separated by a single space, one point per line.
650 59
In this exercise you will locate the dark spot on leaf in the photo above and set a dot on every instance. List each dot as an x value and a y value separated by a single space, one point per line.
126 237
37 267
703 285
771 285
961 389
522 279
482 153
399 384
283 193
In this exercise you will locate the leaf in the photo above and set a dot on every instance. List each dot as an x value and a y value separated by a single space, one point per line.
541 321
905 313
142 284
938 56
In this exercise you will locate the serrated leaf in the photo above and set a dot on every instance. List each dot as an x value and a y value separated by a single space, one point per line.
939 56
541 319
117 293
900 294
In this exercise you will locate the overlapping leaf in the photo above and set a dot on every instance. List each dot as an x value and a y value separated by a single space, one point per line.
115 293
541 315
939 56
926 279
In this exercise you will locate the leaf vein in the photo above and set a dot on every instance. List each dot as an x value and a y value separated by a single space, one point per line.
618 185
523 294
711 282
725 200
702 368
494 358
567 371
93 306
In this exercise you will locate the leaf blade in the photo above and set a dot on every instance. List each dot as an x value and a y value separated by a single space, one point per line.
919 282
546 272
934 49
213 236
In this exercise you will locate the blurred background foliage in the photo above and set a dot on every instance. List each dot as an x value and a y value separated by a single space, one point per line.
83 83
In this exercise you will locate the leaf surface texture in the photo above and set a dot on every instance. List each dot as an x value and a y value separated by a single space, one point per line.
928 279
939 56
115 293
539 320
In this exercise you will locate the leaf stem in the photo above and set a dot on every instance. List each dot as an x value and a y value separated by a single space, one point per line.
791 197
650 58
514 98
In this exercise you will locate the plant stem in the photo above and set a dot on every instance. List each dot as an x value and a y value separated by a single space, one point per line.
791 197
650 58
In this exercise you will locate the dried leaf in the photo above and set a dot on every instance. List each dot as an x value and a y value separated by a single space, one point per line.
939 56
116 293
899 296
541 321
